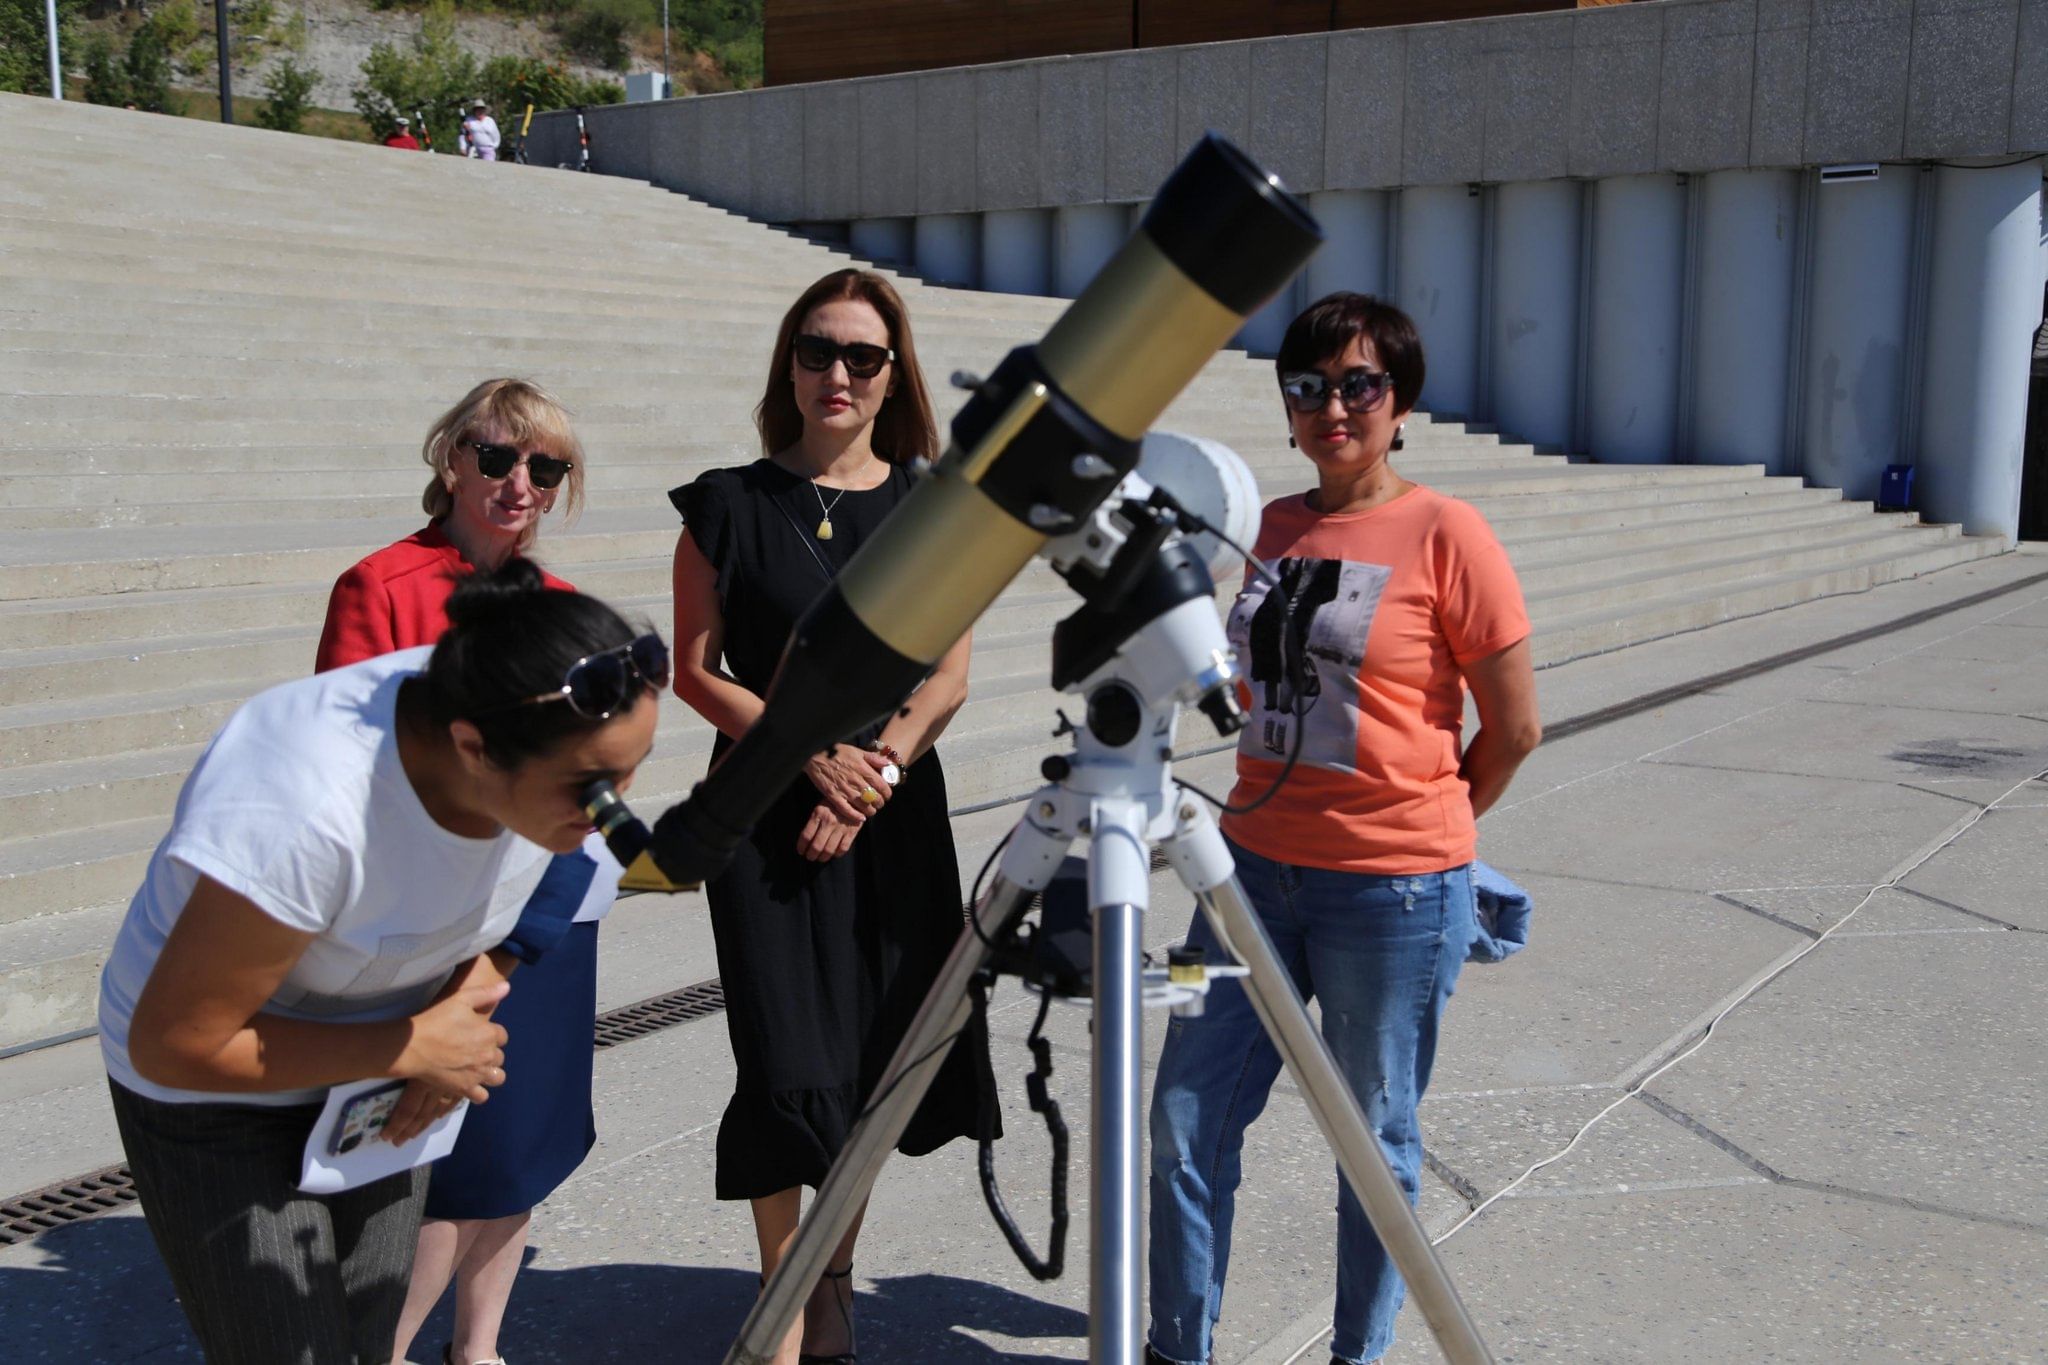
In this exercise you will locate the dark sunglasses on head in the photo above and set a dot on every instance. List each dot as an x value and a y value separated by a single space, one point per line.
597 686
496 462
863 361
1357 390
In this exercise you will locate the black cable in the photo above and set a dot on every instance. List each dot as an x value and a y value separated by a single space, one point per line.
974 892
1293 655
1050 1266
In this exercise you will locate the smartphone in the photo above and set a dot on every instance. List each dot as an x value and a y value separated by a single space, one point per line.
363 1117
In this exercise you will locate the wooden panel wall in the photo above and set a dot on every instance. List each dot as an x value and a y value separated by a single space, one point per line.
1164 23
1373 13
819 40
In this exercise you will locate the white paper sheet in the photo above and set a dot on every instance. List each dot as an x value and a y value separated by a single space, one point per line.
325 1172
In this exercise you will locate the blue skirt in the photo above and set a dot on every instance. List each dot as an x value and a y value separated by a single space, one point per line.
537 1127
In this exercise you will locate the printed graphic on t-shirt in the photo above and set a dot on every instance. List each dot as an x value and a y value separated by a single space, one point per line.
1333 602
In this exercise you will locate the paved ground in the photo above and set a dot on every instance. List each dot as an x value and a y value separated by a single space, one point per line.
1849 1169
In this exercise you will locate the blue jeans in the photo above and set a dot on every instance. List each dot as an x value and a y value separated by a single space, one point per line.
1382 954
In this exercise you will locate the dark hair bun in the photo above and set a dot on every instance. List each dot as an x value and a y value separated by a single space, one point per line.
483 596
510 637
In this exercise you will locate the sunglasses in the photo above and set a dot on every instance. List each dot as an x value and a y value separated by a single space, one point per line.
496 462
602 684
863 361
1358 390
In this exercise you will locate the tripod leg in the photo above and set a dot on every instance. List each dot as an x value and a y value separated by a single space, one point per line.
902 1087
1119 876
1337 1113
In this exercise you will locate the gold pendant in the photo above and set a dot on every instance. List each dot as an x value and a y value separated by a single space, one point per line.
825 529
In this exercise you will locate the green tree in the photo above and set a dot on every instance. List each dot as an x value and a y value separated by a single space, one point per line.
728 31
106 76
598 30
289 90
431 75
25 43
512 83
150 57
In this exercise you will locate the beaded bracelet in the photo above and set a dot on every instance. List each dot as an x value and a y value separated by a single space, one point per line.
895 761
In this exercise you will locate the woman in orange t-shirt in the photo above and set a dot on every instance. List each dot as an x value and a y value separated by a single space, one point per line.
1393 600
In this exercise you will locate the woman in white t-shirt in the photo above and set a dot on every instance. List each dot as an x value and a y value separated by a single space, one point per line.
342 861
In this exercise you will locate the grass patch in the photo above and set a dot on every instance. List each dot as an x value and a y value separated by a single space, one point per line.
343 125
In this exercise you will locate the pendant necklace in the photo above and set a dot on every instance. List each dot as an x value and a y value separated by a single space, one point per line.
825 520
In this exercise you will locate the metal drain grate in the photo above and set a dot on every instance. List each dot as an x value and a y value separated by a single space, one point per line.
53 1206
652 1015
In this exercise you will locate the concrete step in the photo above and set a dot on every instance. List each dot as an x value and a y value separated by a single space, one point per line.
615 476
35 564
53 874
394 310
1562 636
1562 593
669 270
1599 558
49 974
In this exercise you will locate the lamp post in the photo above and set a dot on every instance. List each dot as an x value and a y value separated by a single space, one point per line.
56 64
227 80
667 88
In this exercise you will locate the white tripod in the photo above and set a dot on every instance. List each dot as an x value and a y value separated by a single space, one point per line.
1137 669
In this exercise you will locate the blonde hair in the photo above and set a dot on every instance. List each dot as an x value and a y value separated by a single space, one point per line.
514 410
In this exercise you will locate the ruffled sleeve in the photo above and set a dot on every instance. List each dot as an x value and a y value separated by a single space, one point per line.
706 512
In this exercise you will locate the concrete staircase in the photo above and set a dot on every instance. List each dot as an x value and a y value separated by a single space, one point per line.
219 351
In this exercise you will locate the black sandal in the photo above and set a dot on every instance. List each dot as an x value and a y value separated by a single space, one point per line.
844 1357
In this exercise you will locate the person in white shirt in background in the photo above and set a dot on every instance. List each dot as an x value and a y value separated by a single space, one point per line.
480 132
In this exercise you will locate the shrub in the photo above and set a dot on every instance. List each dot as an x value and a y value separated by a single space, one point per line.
151 54
432 75
25 43
598 29
106 77
289 89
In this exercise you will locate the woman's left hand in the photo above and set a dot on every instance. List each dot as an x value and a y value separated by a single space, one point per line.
826 835
418 1108
421 1105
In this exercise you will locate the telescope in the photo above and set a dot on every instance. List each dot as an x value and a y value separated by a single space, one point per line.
1043 441
1045 461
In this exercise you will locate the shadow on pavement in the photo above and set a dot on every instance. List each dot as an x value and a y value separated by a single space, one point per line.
102 1295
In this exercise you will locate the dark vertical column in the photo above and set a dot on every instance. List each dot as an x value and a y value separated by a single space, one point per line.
227 78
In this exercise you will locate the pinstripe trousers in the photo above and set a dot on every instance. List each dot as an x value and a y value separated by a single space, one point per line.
268 1275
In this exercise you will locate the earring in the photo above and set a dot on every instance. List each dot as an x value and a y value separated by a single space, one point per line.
1397 437
1291 445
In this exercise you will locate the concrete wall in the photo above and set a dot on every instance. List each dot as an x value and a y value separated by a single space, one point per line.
1680 86
1608 224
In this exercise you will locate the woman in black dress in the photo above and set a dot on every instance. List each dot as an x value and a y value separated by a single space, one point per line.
832 922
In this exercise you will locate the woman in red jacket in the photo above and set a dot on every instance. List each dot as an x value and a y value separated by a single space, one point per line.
503 458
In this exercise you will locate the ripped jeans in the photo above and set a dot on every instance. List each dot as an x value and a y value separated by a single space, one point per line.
1382 956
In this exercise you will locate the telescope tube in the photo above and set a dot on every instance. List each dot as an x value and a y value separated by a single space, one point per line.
1221 238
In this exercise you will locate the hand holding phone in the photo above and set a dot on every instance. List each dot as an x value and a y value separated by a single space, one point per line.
363 1118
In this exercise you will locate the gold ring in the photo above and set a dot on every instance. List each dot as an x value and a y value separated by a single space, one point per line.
870 796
